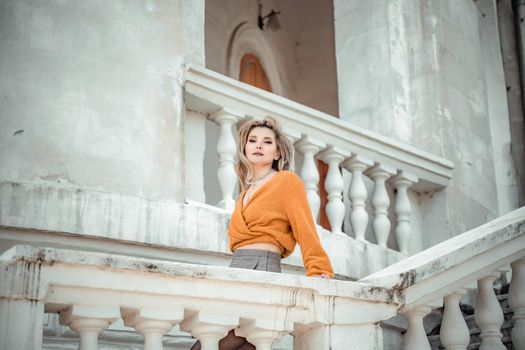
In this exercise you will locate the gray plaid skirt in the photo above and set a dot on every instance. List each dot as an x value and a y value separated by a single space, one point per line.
256 259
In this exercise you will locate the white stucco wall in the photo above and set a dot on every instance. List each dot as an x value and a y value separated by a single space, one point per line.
413 71
91 96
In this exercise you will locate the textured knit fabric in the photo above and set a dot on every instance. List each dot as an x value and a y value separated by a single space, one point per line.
256 259
278 213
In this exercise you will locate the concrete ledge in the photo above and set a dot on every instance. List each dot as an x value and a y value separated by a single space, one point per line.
40 209
75 259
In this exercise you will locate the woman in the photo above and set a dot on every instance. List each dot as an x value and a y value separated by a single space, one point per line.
272 212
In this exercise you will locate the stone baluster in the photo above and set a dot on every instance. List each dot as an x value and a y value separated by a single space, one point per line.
262 333
416 337
381 201
88 322
357 194
454 332
226 150
153 323
309 173
402 181
517 303
209 328
335 208
488 314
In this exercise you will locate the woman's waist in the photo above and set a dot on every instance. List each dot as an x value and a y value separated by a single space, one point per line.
272 247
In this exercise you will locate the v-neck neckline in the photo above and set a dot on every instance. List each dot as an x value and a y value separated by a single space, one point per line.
243 207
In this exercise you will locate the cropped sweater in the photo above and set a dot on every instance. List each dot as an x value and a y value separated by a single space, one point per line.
278 213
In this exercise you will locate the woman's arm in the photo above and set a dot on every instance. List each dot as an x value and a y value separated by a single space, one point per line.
315 259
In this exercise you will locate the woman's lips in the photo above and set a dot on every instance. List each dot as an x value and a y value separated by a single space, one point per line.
257 154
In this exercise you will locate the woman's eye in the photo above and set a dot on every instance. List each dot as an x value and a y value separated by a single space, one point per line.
268 142
251 141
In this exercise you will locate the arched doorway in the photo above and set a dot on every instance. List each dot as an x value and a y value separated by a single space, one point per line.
252 72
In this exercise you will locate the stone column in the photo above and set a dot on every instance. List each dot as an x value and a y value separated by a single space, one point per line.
488 314
88 322
381 202
335 208
309 173
517 303
153 324
416 337
454 331
357 194
209 328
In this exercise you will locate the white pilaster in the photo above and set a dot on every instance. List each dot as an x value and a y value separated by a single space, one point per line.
209 328
416 337
88 322
402 181
488 314
335 208
309 173
339 337
357 194
226 150
381 201
21 324
517 303
153 324
454 332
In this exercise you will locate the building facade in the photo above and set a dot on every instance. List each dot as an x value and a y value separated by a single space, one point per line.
118 142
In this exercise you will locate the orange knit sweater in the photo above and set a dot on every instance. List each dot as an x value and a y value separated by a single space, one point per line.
278 213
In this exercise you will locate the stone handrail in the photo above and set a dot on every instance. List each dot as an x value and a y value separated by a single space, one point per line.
441 274
92 290
317 135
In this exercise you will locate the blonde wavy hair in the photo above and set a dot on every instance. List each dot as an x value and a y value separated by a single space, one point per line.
244 169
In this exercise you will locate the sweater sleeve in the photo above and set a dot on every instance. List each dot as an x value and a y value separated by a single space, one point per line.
315 259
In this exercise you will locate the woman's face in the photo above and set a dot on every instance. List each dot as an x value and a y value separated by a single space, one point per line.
261 149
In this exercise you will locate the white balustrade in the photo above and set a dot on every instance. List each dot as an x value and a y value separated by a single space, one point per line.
402 208
226 150
207 301
153 323
454 332
416 337
88 322
209 328
381 202
517 303
357 194
335 208
309 173
488 314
